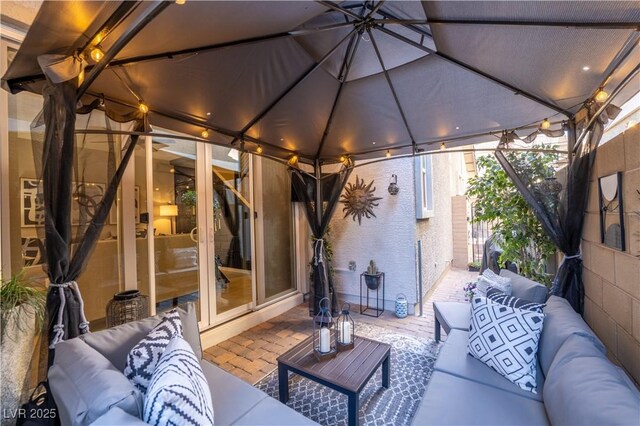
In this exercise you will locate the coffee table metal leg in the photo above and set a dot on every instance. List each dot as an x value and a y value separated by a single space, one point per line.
386 371
283 383
354 408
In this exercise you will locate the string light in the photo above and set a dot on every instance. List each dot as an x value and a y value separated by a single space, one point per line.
143 108
601 96
388 154
96 54
293 160
181 1
443 146
545 124
259 149
343 158
205 133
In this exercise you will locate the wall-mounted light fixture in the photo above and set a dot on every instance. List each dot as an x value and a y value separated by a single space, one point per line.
393 186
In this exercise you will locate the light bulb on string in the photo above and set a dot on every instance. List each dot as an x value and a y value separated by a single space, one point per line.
601 96
143 108
545 124
181 2
443 146
96 54
293 160
388 154
259 149
205 133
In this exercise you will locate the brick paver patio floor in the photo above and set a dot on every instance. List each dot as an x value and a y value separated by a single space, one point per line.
252 354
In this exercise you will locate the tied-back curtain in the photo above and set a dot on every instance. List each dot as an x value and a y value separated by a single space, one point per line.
560 208
306 188
75 208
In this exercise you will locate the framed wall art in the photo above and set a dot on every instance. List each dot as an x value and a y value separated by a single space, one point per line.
611 205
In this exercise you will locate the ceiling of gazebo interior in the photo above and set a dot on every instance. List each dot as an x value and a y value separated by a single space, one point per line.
308 77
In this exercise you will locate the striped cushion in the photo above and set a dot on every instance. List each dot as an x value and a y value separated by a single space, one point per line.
178 393
143 357
500 297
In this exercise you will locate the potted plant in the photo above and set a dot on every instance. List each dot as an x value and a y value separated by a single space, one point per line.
22 312
372 277
474 266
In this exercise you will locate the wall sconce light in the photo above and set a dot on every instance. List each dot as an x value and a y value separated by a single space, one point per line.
393 186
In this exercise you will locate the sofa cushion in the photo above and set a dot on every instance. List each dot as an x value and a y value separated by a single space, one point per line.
269 412
501 297
561 322
454 359
144 357
232 397
178 392
453 315
117 416
525 288
506 339
115 343
451 400
584 387
85 385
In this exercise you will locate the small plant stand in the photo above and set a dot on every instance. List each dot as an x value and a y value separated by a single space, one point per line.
377 310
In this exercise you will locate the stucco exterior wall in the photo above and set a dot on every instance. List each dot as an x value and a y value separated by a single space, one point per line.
612 277
391 237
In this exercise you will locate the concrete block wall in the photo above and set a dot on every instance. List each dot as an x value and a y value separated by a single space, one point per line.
612 277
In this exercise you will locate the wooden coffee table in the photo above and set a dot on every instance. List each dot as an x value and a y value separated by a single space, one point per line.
347 373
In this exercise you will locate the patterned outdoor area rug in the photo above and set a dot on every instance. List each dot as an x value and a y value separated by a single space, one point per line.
411 367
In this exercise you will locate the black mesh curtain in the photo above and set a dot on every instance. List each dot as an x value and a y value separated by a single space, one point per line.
560 209
75 209
308 189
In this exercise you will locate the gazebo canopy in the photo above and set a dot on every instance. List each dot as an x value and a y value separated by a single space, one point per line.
324 79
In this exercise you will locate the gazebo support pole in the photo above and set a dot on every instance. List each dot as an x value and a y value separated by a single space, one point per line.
317 171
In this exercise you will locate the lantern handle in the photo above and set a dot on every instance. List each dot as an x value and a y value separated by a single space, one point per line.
326 308
347 309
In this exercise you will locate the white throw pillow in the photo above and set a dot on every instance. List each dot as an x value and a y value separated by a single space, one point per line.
143 357
178 392
506 339
490 279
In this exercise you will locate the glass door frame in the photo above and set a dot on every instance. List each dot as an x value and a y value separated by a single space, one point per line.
260 299
205 174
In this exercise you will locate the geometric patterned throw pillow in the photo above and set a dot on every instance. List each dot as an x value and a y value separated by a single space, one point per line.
498 296
506 339
178 392
143 357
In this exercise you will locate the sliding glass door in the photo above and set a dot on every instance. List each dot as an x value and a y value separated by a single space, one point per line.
275 230
233 250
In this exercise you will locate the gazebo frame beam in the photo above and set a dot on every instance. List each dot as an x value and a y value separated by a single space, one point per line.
292 86
393 90
344 74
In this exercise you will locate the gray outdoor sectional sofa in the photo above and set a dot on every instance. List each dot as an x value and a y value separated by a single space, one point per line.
576 383
87 386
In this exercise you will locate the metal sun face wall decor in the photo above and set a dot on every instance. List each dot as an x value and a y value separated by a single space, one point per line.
359 200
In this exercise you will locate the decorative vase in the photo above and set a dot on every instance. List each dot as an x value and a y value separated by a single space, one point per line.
16 352
373 280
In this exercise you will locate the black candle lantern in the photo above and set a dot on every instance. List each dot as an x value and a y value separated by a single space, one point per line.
345 330
324 337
